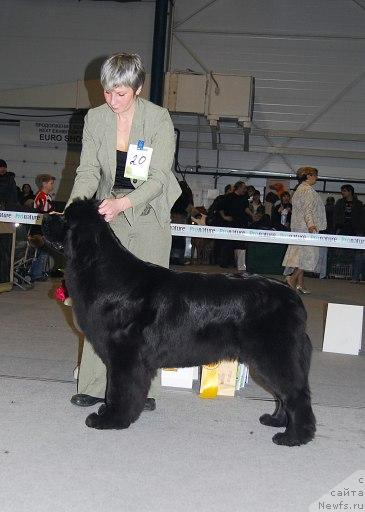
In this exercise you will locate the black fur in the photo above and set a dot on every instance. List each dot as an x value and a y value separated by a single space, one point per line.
140 317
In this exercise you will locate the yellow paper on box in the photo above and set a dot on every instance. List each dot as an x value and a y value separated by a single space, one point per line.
209 381
227 373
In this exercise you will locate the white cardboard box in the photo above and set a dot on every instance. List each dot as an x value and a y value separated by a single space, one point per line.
343 331
178 377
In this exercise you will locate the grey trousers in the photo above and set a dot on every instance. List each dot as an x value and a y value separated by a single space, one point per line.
151 242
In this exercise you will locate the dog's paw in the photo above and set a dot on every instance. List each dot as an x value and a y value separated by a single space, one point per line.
105 421
273 421
285 439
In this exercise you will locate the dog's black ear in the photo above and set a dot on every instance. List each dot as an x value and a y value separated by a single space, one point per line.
83 211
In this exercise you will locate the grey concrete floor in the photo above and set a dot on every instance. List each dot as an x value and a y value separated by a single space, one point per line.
190 454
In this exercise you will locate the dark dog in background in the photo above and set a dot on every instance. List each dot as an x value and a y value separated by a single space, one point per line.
140 317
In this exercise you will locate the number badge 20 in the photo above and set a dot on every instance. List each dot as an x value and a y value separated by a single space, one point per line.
138 161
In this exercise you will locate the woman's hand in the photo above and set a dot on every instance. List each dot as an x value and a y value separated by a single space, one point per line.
312 229
110 208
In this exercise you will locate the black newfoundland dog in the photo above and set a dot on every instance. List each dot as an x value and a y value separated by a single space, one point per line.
140 317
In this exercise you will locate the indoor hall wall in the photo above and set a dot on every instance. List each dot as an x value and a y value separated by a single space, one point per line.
308 59
302 55
54 41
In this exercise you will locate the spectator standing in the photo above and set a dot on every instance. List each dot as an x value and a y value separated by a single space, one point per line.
348 212
271 200
358 262
235 207
214 218
180 213
308 216
43 204
281 213
27 195
8 190
330 210
261 220
255 202
349 220
236 213
250 192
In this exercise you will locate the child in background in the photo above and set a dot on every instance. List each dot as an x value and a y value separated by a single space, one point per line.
43 204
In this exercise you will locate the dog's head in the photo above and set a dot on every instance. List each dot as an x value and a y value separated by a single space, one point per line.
81 214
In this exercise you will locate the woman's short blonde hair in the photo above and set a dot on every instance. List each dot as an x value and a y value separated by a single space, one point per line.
303 172
122 70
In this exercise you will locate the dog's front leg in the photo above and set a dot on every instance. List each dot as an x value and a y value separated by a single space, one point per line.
126 394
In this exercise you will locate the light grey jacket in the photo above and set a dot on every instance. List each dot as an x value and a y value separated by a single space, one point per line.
96 172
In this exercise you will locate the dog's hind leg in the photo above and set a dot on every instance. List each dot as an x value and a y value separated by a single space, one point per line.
301 425
127 389
284 372
301 421
278 418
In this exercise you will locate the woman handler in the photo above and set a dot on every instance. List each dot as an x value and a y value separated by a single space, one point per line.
137 188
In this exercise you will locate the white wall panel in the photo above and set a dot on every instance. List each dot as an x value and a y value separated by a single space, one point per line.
303 55
308 59
337 17
52 41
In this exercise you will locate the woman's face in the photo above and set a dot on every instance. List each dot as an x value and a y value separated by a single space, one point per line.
121 99
26 189
312 178
285 199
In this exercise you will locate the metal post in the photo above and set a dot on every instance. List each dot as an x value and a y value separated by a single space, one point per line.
158 53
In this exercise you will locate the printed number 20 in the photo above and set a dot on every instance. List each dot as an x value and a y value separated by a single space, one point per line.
138 161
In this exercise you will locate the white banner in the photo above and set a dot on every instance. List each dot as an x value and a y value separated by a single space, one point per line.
246 235
51 133
274 237
21 217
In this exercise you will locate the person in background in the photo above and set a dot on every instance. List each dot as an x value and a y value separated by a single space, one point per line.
138 210
281 213
348 212
27 195
236 213
330 211
270 200
358 261
308 216
8 190
43 204
255 202
250 192
181 211
349 220
214 218
261 220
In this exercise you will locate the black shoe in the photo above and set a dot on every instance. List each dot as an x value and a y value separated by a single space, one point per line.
150 405
85 400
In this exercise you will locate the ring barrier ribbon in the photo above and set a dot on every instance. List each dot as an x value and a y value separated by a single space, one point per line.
247 235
